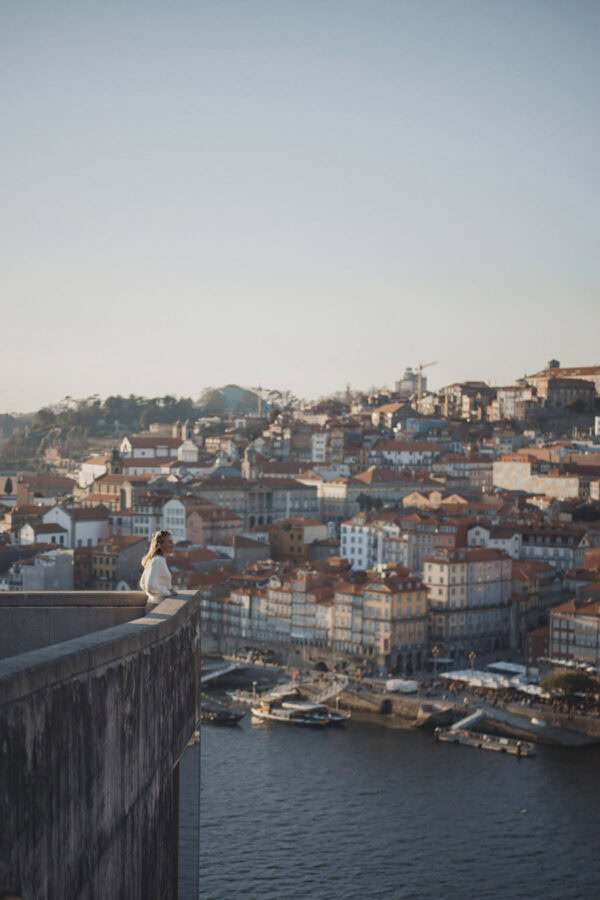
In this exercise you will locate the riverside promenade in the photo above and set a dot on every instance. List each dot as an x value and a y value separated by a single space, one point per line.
431 708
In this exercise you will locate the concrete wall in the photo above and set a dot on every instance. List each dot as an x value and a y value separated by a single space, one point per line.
29 620
91 731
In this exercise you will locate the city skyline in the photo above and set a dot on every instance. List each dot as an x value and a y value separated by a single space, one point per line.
302 196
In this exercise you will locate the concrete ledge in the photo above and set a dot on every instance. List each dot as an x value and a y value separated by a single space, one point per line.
39 669
72 598
91 733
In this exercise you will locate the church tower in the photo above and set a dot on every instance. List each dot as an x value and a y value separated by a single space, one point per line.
114 465
250 464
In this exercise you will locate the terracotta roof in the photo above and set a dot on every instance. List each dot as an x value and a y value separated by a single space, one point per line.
89 513
287 468
575 607
247 543
50 481
472 555
122 540
143 441
571 372
309 475
149 462
29 509
113 479
97 460
391 407
47 528
374 475
201 554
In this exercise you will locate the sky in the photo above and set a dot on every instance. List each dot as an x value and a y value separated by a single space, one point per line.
296 194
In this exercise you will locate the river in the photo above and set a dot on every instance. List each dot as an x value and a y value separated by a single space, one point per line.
372 811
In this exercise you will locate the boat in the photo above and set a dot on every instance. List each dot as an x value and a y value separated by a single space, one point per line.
311 715
485 741
212 716
335 716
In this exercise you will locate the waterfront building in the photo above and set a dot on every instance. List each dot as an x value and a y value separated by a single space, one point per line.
575 632
384 619
470 600
537 586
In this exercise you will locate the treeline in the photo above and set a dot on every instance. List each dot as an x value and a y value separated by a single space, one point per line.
103 416
71 424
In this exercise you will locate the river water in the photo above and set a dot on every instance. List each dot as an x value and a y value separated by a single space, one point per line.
372 811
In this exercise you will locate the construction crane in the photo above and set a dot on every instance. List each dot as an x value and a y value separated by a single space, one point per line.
420 368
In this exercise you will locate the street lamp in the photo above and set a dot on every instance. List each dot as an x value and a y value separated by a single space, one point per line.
435 652
472 657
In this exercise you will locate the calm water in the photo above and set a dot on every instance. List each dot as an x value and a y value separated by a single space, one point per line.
370 811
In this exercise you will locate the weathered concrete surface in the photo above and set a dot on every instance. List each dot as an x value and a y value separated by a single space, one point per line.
29 620
91 731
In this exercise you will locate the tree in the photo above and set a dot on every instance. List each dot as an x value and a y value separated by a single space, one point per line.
586 512
566 683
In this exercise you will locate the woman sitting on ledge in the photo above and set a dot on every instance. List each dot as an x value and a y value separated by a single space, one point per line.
156 578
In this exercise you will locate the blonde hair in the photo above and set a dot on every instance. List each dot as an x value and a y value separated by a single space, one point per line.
158 539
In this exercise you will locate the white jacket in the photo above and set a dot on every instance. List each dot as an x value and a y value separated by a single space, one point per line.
156 579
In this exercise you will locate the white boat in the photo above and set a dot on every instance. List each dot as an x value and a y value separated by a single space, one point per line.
310 715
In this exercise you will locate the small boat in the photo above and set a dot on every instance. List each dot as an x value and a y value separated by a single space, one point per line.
485 741
335 716
311 715
212 716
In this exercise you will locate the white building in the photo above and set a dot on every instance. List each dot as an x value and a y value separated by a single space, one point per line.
501 537
318 442
372 543
139 446
83 526
396 454
43 533
174 516
92 469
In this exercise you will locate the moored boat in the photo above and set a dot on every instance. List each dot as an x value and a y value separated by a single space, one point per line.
311 715
212 716
513 746
335 716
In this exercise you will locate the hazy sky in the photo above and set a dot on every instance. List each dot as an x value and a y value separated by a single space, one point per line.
295 194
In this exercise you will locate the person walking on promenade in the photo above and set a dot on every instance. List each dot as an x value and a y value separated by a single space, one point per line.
156 578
